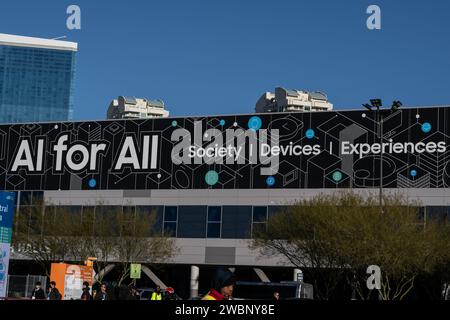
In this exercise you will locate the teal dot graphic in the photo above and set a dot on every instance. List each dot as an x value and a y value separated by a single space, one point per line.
222 122
337 176
211 177
255 123
174 123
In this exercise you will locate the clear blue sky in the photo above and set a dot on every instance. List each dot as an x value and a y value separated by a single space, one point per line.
217 57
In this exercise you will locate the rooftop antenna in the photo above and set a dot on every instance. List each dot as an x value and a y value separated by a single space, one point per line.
62 37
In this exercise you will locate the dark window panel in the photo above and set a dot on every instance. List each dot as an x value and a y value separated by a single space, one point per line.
107 210
192 222
157 211
213 230
30 220
25 198
64 217
437 213
129 210
16 194
35 222
236 222
38 197
214 214
259 214
50 209
87 220
258 227
170 213
88 213
50 216
273 210
129 213
447 217
421 214
106 217
147 210
170 229
66 209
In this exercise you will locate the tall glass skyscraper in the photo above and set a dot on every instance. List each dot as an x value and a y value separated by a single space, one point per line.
36 79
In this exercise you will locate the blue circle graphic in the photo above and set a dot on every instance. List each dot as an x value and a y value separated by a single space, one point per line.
413 173
254 123
222 122
92 183
211 177
310 133
426 127
270 181
174 123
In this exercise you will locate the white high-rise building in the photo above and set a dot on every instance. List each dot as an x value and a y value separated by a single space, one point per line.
136 108
284 100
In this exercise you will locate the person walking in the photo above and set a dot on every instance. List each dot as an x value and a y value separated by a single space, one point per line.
86 295
53 293
134 294
157 294
170 294
103 293
38 293
222 286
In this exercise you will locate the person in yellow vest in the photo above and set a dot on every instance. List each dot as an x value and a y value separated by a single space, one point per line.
222 286
156 295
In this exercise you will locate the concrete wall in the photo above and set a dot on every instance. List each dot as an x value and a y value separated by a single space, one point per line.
435 197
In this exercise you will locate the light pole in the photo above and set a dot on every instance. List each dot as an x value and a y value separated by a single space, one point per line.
375 106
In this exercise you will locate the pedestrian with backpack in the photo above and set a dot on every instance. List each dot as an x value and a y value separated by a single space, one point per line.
54 292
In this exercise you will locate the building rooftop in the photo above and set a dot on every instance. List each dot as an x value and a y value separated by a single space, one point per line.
21 41
318 95
130 100
156 103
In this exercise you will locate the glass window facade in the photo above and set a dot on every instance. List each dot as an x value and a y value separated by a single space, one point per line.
170 221
225 222
236 222
259 214
36 84
214 222
259 219
191 221
157 211
439 214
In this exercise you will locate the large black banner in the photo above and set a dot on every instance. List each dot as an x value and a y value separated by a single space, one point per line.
342 149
